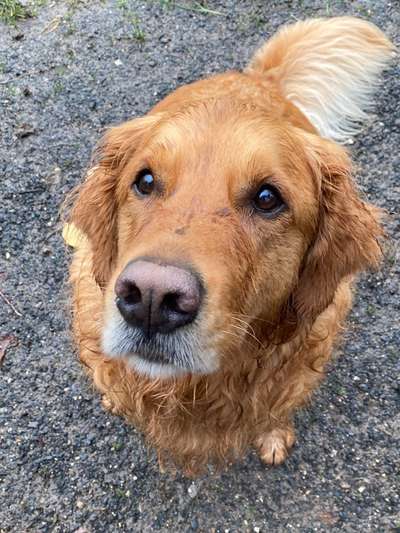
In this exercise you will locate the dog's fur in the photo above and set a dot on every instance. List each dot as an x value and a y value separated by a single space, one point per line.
277 291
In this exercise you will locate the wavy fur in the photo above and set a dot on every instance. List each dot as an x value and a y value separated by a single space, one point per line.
329 68
277 289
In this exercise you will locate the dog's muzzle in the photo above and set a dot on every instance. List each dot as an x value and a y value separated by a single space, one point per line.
155 325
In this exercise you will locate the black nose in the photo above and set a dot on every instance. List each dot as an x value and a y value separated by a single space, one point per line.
157 298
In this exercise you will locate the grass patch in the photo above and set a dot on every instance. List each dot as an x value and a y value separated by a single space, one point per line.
132 18
11 11
137 30
199 6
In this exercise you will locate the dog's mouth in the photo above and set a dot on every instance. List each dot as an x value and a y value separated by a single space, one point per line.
163 354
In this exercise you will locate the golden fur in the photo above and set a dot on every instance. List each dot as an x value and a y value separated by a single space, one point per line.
277 290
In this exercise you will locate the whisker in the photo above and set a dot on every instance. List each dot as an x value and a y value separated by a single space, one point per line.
247 332
241 338
235 336
252 317
245 323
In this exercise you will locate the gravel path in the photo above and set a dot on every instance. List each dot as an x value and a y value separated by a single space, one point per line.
65 465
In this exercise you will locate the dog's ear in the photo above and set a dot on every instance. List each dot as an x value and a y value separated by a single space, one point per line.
95 203
347 231
328 68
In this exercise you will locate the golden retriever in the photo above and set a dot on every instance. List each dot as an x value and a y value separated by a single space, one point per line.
222 232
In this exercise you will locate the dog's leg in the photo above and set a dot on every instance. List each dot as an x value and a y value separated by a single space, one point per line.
274 445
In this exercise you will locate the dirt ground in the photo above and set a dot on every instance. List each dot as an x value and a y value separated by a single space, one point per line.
66 465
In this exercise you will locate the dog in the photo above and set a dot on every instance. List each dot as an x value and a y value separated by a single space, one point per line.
219 238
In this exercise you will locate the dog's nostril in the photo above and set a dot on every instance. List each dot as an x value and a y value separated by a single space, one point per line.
171 302
128 292
182 303
133 295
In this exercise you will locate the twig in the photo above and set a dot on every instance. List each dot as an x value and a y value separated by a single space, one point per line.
53 25
206 10
2 295
199 8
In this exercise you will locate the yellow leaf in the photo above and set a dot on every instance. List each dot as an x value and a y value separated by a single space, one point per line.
72 235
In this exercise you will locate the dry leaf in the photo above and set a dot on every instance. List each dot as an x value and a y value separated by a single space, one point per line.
5 342
72 235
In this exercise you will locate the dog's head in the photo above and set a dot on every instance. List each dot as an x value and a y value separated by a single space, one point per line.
210 218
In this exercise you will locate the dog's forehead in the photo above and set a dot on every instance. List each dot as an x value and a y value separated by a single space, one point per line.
218 119
234 143
231 137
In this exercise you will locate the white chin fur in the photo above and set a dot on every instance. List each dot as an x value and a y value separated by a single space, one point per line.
116 343
154 370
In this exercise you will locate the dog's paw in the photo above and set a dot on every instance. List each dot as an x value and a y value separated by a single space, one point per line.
108 405
274 446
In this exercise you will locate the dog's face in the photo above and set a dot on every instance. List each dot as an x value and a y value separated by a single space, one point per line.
226 198
207 224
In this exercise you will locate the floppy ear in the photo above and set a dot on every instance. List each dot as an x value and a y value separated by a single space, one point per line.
347 230
95 209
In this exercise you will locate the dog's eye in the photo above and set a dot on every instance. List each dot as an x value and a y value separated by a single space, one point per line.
268 201
144 183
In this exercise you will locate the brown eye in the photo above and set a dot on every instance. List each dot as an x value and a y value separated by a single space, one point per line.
144 183
268 201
